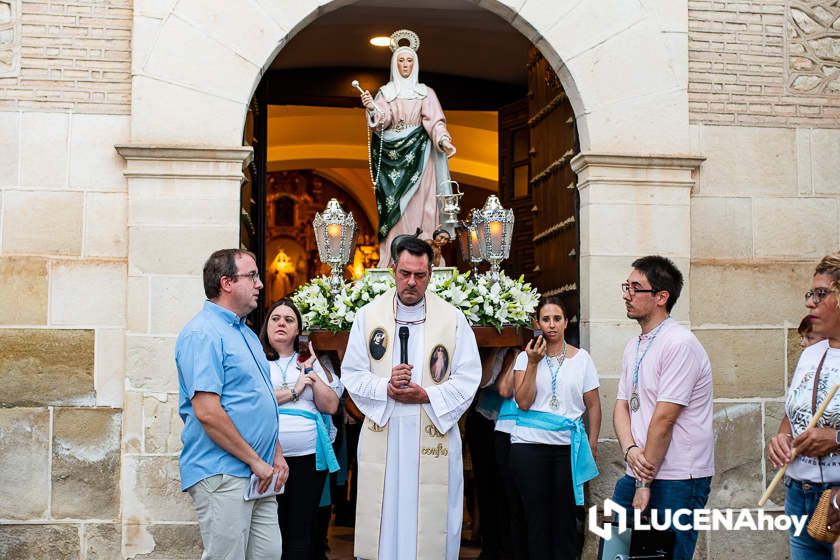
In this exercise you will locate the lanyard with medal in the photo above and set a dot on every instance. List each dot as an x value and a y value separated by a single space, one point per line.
635 403
554 403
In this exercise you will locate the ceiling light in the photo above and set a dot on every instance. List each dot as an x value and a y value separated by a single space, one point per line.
380 41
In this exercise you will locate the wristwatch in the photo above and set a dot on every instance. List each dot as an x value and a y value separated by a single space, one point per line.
642 484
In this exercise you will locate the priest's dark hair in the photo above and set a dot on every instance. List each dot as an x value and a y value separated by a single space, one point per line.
270 352
413 245
663 275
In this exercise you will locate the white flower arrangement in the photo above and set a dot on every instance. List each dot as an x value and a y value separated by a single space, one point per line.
483 302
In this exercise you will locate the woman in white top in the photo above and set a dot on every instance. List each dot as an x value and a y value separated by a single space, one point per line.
560 382
816 467
306 395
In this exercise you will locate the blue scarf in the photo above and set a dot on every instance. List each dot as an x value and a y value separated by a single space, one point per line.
508 411
324 454
583 463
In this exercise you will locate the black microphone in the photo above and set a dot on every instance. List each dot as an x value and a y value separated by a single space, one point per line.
403 345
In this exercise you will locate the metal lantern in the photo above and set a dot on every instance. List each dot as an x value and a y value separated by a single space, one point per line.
448 201
495 230
335 233
467 235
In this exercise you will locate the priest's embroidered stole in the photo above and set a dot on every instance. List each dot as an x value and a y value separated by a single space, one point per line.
439 336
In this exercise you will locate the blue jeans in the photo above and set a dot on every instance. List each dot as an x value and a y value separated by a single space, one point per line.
802 498
691 493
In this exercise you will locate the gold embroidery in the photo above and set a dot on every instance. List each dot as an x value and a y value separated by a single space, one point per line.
437 452
374 427
434 432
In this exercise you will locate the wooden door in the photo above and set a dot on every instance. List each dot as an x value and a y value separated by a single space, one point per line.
553 143
514 189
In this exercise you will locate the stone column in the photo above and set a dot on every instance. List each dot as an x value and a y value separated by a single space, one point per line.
183 204
630 206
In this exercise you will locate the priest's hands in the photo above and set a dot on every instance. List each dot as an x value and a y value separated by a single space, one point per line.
400 376
411 394
401 389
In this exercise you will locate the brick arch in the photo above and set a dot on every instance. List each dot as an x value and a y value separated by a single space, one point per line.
622 63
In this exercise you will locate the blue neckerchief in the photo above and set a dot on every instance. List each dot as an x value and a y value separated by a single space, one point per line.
583 463
324 454
509 410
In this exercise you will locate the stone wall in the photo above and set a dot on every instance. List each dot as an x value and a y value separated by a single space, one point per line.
63 247
769 63
66 55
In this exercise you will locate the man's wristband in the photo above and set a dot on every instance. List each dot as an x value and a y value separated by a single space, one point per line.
626 451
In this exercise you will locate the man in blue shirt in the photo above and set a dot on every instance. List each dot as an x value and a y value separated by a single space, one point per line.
230 415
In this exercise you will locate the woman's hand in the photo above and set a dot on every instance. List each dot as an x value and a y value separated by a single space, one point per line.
367 101
310 360
535 350
779 449
303 381
816 442
447 147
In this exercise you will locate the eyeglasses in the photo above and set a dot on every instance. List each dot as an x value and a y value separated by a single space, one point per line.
817 295
632 291
254 275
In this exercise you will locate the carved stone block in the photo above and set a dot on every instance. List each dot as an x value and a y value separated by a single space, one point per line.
41 367
86 463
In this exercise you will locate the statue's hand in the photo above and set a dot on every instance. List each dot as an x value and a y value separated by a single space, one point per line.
367 100
447 147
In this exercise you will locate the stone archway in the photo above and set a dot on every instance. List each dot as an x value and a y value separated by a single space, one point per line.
623 64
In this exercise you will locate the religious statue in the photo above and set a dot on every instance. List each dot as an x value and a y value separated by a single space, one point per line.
409 148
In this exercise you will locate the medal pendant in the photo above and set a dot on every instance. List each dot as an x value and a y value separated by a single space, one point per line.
285 387
554 403
634 402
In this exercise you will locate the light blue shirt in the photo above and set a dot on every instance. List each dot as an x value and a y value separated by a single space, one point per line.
217 352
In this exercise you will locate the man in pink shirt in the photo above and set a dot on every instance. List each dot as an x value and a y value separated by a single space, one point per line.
663 410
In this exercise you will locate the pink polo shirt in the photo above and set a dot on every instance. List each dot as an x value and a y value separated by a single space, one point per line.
675 369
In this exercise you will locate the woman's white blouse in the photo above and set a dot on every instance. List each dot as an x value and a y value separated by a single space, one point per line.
297 434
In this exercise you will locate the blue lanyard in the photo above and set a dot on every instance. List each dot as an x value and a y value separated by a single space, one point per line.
553 371
286 368
638 359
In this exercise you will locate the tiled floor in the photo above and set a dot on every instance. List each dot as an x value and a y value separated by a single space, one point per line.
341 545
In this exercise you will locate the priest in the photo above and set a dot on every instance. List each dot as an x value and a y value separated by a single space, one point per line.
411 482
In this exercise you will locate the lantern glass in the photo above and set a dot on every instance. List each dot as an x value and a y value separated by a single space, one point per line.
335 235
495 231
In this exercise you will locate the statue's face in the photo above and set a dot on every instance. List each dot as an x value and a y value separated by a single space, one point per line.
405 64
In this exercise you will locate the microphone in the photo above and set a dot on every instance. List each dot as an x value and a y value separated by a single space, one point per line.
403 345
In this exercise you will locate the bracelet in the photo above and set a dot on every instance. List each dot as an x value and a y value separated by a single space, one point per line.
294 395
642 484
626 451
307 370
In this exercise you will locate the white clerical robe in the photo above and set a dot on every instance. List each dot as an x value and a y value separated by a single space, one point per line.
448 401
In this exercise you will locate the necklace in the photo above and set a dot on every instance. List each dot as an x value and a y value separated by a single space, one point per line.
285 369
635 403
414 322
381 148
554 403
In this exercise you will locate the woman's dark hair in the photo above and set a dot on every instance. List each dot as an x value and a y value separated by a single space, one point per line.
663 275
271 353
805 326
552 300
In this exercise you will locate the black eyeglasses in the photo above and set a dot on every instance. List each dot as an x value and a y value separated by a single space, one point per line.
254 275
632 291
817 295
